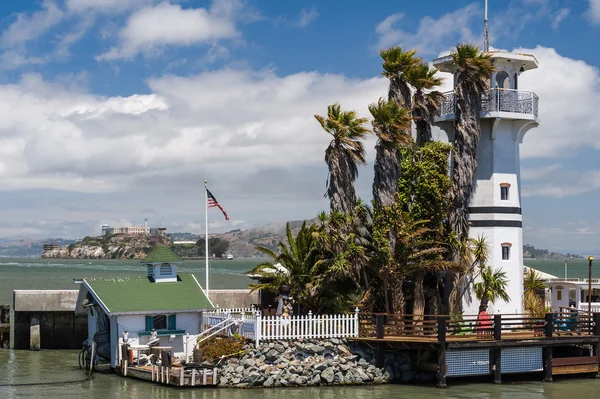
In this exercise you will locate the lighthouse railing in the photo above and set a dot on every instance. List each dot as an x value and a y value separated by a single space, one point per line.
497 100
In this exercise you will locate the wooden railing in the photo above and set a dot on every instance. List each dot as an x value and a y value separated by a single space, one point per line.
442 327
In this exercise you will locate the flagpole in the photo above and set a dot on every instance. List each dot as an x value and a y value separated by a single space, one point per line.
206 231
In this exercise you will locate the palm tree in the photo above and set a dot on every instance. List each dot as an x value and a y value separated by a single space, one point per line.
345 152
391 124
532 302
425 102
532 281
396 62
473 254
474 71
294 266
491 287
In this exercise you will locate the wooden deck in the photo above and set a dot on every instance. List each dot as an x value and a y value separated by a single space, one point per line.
499 334
174 376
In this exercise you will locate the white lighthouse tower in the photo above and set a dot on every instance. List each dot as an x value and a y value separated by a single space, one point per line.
507 113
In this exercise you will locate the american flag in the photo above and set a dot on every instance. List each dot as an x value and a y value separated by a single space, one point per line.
212 203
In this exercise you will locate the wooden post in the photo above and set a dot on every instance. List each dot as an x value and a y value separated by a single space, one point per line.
214 376
204 373
379 326
442 367
547 354
35 343
193 377
496 364
549 325
596 324
498 327
152 373
442 323
181 374
257 329
597 334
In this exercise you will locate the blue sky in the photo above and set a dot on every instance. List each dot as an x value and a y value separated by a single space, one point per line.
116 110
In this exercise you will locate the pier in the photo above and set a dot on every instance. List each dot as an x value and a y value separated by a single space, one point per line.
559 343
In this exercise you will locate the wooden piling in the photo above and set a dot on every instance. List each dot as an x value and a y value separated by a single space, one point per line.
597 333
442 366
379 330
34 331
547 361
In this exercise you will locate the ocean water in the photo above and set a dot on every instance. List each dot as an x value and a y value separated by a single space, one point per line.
55 374
55 274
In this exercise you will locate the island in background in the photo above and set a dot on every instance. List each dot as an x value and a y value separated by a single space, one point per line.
240 243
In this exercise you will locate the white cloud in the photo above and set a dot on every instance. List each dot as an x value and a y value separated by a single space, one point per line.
569 91
432 35
595 11
229 125
559 16
105 6
30 27
307 17
150 29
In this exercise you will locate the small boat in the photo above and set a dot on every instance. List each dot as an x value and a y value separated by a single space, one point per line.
229 257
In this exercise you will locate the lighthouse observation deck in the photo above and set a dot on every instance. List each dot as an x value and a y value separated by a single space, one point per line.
503 103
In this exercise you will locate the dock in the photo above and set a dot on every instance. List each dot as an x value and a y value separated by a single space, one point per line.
559 343
177 376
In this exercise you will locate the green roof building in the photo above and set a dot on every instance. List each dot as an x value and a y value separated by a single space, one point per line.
162 302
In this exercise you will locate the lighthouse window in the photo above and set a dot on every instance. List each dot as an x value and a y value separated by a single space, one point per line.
504 193
505 252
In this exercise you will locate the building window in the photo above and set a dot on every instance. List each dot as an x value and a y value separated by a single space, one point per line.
505 252
504 193
159 322
559 295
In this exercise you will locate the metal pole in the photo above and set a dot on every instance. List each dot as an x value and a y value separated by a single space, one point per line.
566 264
486 40
206 232
590 259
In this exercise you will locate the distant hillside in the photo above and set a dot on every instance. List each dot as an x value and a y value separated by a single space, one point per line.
529 251
242 243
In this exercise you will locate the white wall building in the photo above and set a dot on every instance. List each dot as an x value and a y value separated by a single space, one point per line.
163 301
495 206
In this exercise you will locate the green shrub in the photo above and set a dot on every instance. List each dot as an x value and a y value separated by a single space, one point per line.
216 347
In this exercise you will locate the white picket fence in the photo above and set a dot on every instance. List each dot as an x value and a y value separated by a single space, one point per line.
268 328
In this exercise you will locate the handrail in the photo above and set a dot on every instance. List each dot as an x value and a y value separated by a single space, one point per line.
497 100
465 326
498 89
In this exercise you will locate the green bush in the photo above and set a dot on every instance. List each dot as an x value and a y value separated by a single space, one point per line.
216 347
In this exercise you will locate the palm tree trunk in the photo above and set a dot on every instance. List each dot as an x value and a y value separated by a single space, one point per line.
387 172
467 131
340 189
466 142
418 302
398 302
423 131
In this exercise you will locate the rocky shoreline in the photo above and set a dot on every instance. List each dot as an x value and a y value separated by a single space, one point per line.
315 363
